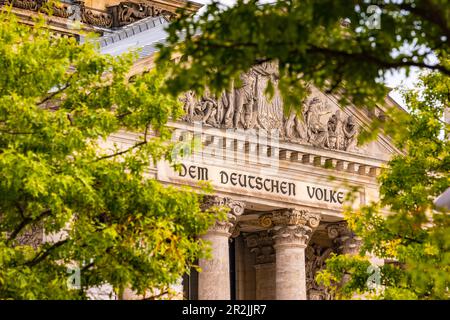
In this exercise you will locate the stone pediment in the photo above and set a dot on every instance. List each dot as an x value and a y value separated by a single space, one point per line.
323 123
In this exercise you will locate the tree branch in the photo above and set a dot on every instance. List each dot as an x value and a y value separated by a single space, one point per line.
364 56
53 94
429 13
26 221
44 254
137 145
154 297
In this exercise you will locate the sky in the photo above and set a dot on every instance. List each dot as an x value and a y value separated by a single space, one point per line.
392 80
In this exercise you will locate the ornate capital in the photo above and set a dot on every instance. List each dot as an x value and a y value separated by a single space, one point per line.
338 229
295 235
343 238
291 226
261 244
222 227
290 217
236 209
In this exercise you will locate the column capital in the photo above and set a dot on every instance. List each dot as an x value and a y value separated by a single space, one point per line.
236 209
293 235
337 229
290 217
291 226
343 238
261 244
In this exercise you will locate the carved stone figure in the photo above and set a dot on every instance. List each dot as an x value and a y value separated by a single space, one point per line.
295 129
317 131
300 128
209 110
226 101
244 99
315 261
335 139
269 110
190 103
350 129
332 135
128 12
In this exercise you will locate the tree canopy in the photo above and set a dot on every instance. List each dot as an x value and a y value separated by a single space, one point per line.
98 209
337 46
414 236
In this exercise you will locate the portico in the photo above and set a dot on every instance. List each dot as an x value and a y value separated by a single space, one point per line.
286 200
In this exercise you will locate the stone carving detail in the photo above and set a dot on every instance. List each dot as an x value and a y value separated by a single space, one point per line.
236 209
96 18
116 16
261 243
64 10
315 257
128 12
290 217
25 4
344 242
246 106
343 238
298 235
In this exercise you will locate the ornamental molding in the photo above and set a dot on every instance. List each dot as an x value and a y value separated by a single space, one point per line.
113 17
128 12
290 217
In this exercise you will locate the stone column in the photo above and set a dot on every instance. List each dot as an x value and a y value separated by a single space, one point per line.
261 244
291 229
214 278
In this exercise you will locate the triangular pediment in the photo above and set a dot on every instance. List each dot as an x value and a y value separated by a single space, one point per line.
323 123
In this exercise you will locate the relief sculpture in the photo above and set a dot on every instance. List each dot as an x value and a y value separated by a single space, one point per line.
315 261
246 106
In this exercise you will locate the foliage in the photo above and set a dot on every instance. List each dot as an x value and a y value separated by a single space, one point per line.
98 206
337 46
414 236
